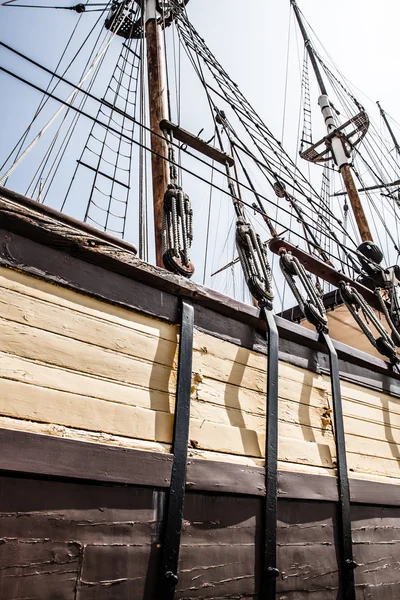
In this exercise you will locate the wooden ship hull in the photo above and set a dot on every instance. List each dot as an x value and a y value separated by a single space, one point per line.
89 356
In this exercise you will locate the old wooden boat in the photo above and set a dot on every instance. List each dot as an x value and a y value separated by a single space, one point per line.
161 439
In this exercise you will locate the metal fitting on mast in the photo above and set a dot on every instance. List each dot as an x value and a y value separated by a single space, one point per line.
339 147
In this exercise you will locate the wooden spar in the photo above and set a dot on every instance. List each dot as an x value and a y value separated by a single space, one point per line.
354 198
337 143
197 143
372 187
390 130
158 112
324 271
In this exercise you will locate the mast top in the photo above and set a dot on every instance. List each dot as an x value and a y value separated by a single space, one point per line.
310 49
127 21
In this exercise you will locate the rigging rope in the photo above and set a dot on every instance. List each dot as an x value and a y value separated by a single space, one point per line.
71 98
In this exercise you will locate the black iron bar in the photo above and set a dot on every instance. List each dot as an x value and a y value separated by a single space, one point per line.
348 563
176 500
271 571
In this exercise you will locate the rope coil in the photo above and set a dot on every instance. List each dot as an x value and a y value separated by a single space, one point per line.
177 233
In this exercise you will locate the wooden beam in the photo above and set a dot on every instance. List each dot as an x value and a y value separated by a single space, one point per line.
324 271
372 187
197 143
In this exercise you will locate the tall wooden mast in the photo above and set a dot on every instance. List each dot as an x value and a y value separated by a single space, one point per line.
158 112
337 143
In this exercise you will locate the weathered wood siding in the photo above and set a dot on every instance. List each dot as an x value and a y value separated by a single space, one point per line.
68 541
71 365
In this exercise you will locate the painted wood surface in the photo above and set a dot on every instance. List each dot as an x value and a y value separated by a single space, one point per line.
72 541
72 365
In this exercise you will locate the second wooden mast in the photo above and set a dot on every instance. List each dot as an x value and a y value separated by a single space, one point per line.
337 143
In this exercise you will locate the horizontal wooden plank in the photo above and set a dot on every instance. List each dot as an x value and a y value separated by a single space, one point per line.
42 290
34 454
36 344
98 332
24 401
47 568
54 377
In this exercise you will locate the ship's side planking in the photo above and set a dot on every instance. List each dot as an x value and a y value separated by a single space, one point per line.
88 375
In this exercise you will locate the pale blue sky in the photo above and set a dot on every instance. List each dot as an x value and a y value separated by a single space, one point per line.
250 39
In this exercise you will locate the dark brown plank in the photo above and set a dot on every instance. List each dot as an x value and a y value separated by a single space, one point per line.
38 569
220 547
53 456
61 538
306 549
47 455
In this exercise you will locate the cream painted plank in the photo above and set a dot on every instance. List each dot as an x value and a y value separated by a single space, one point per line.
370 397
369 447
30 402
305 453
57 350
224 369
28 371
206 345
24 401
372 465
373 430
57 378
253 401
85 328
82 435
289 412
366 413
236 440
60 296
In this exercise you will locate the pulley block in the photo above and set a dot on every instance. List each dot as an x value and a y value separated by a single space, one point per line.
311 304
177 231
254 260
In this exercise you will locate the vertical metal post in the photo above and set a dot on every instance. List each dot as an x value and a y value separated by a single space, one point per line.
176 500
271 572
158 112
348 563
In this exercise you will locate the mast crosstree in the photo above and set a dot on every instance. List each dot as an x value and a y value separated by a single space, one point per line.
338 143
